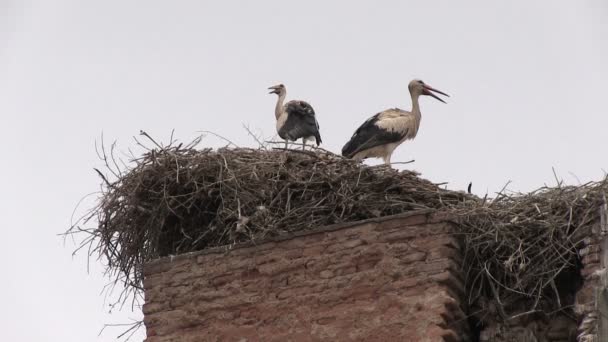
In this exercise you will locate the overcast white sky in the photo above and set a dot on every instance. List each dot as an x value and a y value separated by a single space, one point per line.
527 79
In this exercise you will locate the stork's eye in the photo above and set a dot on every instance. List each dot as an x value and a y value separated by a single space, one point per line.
420 82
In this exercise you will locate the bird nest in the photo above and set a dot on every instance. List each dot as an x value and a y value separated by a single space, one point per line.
176 199
179 199
522 249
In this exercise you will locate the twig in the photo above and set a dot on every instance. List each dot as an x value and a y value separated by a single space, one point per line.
221 137
260 143
105 180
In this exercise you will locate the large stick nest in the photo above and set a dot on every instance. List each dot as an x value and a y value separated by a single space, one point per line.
178 199
522 249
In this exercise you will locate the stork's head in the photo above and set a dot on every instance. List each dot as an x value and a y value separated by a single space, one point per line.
278 89
417 87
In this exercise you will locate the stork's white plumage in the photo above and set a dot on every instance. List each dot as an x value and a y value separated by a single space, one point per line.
295 119
380 135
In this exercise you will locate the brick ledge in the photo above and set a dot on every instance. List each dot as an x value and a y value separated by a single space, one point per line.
424 216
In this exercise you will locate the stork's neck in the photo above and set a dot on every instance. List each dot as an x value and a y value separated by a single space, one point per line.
278 110
416 106
416 113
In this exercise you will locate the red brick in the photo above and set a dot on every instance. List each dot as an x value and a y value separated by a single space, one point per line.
413 257
400 235
589 249
589 269
591 258
414 220
386 281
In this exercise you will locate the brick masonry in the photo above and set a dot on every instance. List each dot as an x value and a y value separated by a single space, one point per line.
591 299
389 279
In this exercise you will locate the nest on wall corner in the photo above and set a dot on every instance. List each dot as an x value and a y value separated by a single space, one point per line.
520 250
177 198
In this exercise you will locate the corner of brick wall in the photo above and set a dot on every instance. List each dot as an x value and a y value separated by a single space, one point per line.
591 298
389 279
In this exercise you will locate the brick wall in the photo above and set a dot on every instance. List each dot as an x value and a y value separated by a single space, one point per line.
591 304
389 279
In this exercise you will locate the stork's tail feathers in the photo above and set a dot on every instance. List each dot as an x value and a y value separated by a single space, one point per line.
318 138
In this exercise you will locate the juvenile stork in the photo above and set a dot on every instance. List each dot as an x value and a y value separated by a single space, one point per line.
382 133
295 119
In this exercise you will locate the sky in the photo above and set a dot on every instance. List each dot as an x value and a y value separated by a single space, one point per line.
527 81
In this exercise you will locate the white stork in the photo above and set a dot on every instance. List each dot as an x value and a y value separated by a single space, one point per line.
296 119
382 133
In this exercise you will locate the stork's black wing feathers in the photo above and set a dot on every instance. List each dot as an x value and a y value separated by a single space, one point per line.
300 123
369 135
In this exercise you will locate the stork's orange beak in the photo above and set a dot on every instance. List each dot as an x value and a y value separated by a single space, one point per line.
428 89
275 90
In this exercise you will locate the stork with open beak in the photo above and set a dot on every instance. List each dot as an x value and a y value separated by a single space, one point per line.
380 135
295 119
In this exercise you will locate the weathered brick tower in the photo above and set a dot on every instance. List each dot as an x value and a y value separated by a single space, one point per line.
390 279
